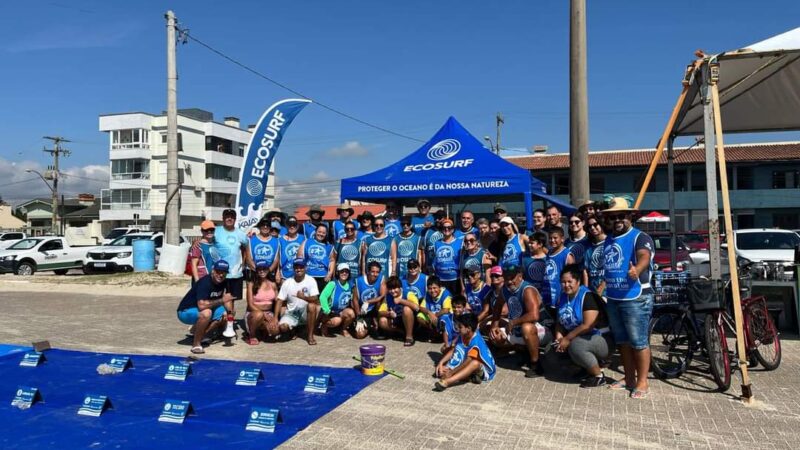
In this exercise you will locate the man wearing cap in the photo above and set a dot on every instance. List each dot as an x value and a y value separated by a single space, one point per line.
627 262
348 250
290 243
206 304
408 248
345 212
336 302
446 258
415 281
500 211
423 219
233 246
392 220
302 302
528 323
202 254
264 247
315 214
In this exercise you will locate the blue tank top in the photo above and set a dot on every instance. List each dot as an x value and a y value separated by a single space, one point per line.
485 357
447 323
418 223
570 312
472 262
349 253
534 271
435 305
460 234
210 254
515 301
367 291
342 295
552 276
512 253
475 299
288 253
578 248
618 253
418 287
338 229
309 229
263 250
379 250
593 261
318 256
407 248
445 262
431 238
393 227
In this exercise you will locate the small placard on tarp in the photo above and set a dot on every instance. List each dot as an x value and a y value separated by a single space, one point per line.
318 383
94 405
178 371
175 411
32 359
25 397
263 419
120 363
249 377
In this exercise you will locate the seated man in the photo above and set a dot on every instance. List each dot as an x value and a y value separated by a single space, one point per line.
302 301
447 323
335 301
526 325
435 304
470 359
205 305
396 313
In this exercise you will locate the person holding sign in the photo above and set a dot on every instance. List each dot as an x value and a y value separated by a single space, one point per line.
206 304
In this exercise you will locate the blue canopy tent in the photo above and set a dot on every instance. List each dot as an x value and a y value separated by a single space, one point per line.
452 164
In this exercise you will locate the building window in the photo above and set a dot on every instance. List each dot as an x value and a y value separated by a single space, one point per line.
679 178
219 200
130 169
225 173
698 179
744 178
125 199
217 144
597 184
785 179
562 185
128 139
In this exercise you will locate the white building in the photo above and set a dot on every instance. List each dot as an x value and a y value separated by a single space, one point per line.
210 156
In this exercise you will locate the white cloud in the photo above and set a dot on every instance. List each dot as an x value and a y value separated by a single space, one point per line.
75 36
290 193
350 148
18 186
321 175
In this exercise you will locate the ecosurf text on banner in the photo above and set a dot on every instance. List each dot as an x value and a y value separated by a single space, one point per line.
258 158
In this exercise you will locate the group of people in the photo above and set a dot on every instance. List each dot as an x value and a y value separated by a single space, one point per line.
481 287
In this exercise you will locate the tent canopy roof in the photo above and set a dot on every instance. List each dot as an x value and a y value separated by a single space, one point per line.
452 164
758 88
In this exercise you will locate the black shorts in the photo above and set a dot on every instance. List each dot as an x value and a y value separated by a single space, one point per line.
235 286
320 283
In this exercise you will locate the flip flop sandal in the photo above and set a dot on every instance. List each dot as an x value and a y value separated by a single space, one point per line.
252 341
198 350
619 386
639 395
408 343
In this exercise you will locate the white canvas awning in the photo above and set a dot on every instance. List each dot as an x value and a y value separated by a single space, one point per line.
759 89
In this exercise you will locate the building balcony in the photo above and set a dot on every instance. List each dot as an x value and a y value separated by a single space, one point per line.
226 186
223 159
125 213
130 153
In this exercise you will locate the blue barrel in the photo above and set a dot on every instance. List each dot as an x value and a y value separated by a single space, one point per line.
144 255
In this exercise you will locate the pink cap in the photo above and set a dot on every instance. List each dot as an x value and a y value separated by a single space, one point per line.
496 270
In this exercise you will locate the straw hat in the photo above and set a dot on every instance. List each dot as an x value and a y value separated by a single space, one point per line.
316 207
620 204
345 207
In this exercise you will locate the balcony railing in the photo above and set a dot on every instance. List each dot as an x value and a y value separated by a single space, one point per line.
131 176
122 206
130 146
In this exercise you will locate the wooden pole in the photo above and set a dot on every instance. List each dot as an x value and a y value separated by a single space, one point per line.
747 393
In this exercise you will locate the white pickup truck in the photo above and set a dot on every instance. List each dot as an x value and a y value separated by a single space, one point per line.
8 238
27 256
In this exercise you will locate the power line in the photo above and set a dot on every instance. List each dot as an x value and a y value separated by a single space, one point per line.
293 91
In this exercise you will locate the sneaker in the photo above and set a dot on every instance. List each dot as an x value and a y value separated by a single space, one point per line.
439 386
535 370
476 378
592 381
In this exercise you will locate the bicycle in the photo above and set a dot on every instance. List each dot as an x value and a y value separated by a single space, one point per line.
674 339
761 337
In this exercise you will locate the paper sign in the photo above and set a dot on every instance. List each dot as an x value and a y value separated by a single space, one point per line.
263 419
318 383
120 363
94 405
32 359
249 377
175 411
25 397
178 372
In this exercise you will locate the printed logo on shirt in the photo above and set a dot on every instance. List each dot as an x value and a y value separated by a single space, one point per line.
377 248
349 252
369 294
551 272
406 248
263 252
472 263
514 307
597 258
316 251
536 271
445 253
291 250
510 252
612 256
231 240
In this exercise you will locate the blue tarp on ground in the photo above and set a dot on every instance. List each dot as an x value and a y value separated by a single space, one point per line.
451 164
138 394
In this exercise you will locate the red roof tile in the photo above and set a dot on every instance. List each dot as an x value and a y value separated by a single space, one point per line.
330 211
638 158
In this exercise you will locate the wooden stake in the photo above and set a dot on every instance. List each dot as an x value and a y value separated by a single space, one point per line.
747 394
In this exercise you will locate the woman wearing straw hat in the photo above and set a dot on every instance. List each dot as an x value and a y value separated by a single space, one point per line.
345 213
628 255
315 214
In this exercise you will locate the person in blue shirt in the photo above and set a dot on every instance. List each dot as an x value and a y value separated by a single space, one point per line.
429 239
370 290
290 244
534 264
316 251
558 257
365 227
423 220
447 323
415 281
594 276
345 212
514 244
392 220
470 359
206 304
408 247
627 264
467 225
477 293
233 246
434 305
347 250
578 240
276 215
315 214
473 257
396 313
379 247
447 257
265 247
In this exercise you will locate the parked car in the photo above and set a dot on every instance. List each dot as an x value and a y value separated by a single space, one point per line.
696 241
758 245
10 237
118 256
31 255
662 257
120 231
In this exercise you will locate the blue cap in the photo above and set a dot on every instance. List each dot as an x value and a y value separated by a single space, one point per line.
299 262
261 264
221 265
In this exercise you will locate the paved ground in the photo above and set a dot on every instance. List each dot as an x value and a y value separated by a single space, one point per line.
510 412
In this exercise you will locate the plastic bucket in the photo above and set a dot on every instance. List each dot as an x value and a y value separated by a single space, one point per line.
144 255
172 259
372 356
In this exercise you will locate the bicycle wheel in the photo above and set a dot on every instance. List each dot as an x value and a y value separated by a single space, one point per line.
717 346
671 344
764 335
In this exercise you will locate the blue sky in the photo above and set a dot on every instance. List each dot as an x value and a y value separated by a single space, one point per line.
405 66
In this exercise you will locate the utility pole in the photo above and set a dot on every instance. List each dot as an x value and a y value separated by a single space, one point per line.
500 121
172 219
56 151
578 105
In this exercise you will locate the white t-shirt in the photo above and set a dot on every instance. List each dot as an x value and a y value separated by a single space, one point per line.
290 288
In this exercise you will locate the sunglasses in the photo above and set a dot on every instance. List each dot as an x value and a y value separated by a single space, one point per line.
292 224
349 229
405 224
262 269
617 216
379 225
413 267
208 230
447 227
473 240
574 222
494 275
594 224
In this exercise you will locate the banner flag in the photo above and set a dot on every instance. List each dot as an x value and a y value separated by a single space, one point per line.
258 158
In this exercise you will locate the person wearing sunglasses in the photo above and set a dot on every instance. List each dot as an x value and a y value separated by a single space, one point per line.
316 251
233 246
264 246
202 254
446 258
594 276
348 250
345 212
392 220
513 243
473 257
365 225
336 302
290 244
429 239
379 247
477 293
627 264
415 282
578 239
423 220
407 244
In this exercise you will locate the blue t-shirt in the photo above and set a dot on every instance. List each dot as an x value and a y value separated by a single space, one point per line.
446 259
477 349
418 223
229 246
204 289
